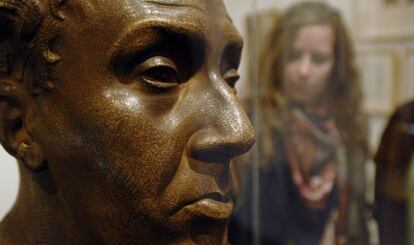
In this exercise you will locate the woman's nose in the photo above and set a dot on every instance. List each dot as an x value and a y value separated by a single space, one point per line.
304 66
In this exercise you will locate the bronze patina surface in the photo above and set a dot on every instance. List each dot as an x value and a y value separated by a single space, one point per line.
123 117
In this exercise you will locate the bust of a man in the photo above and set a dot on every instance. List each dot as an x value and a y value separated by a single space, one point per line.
123 117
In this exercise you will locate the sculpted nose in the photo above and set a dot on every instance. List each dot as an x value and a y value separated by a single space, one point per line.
227 132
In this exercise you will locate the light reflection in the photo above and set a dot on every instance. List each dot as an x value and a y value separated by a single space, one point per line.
124 99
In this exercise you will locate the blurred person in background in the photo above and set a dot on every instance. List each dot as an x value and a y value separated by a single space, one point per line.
312 141
392 177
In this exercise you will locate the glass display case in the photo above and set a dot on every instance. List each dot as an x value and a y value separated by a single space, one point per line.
290 190
328 87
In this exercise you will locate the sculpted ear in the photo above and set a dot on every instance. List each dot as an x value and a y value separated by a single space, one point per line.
16 119
18 21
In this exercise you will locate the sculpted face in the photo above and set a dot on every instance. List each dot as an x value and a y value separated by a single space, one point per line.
143 120
309 64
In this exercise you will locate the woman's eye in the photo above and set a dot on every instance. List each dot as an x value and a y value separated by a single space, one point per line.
159 72
293 56
319 59
231 77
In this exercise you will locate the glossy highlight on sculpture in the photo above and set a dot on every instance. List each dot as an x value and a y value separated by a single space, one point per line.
123 117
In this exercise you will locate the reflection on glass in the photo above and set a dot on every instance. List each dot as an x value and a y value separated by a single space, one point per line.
312 140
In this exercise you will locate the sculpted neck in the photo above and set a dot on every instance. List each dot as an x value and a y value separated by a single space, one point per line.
40 215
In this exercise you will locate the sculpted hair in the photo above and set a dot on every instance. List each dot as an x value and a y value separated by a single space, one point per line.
344 89
28 29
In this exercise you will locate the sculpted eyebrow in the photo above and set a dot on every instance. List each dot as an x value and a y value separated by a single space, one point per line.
196 4
177 3
143 36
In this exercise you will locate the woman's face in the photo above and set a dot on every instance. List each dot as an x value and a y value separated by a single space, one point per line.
309 62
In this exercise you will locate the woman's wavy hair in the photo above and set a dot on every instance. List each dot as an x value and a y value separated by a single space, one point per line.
344 89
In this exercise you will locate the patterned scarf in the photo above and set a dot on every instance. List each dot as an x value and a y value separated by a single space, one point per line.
317 158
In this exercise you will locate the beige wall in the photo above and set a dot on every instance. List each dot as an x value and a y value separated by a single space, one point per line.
8 182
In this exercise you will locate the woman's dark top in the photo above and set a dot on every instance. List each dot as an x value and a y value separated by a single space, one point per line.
282 215
284 218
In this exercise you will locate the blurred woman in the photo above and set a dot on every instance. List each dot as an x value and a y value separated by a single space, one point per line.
312 141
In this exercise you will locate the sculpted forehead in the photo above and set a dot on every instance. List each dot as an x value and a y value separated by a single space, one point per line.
104 27
203 5
208 17
198 12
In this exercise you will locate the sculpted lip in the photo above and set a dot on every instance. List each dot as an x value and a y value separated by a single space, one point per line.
213 206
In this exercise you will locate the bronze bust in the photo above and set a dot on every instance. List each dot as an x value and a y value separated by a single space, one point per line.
123 117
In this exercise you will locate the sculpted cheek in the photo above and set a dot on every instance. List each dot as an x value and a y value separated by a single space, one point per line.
123 99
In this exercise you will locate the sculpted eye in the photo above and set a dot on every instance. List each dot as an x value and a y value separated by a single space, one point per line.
231 77
159 72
